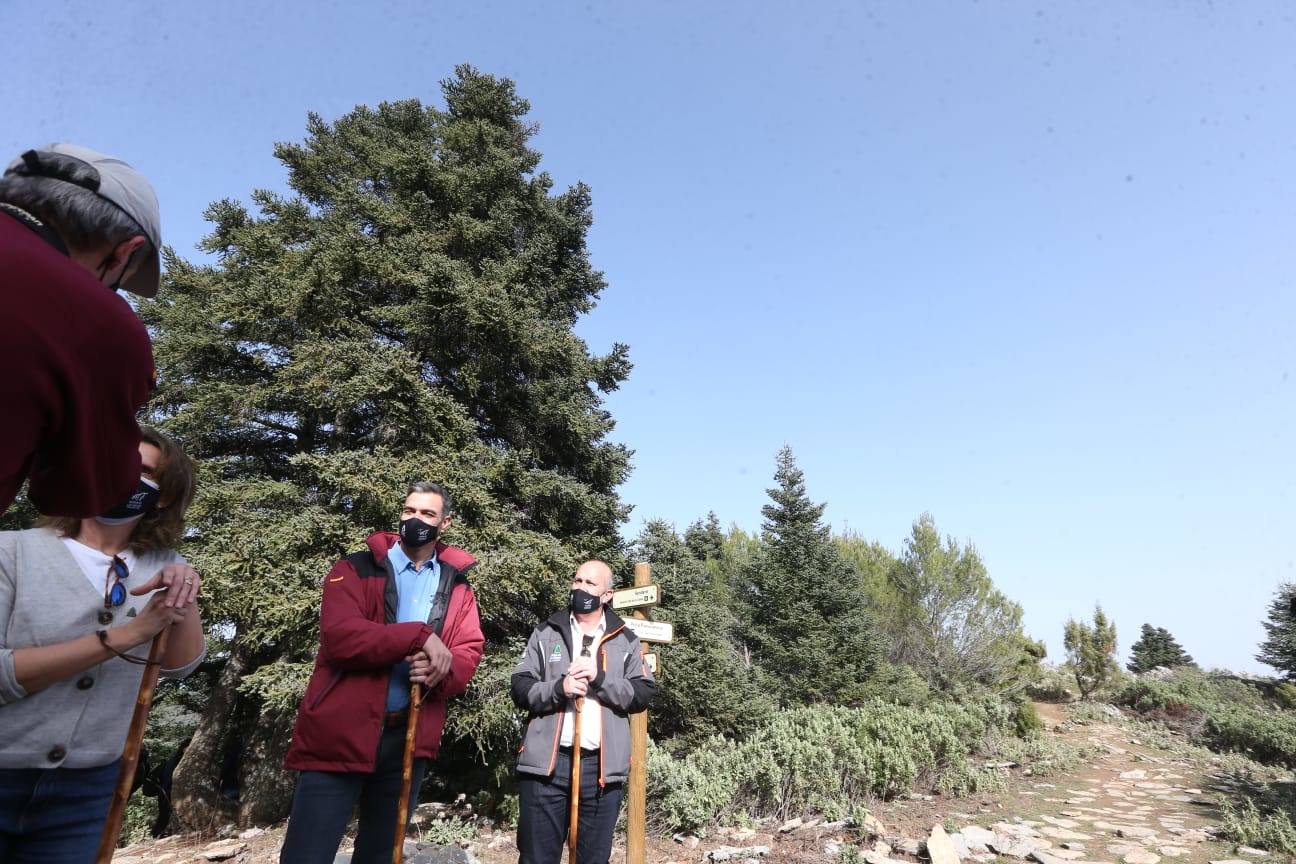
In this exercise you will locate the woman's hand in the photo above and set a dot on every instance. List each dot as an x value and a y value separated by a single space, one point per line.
179 584
155 617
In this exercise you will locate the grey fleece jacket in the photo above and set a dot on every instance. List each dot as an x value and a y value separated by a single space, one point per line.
624 685
44 599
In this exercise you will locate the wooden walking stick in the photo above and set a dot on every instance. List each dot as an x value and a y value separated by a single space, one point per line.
130 755
573 816
407 774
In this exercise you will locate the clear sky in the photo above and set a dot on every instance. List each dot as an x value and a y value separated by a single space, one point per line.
1026 266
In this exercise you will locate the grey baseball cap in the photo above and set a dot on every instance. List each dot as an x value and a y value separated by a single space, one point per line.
113 180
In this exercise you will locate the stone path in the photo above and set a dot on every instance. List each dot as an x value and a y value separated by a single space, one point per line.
1132 804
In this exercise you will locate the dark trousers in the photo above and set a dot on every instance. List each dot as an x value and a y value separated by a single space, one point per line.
54 815
544 805
324 800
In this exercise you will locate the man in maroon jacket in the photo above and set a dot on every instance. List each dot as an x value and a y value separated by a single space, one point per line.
397 613
75 362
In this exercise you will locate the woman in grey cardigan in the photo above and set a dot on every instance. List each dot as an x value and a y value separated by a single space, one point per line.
80 603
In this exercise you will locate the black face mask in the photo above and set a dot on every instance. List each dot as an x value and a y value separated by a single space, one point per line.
583 601
143 502
414 532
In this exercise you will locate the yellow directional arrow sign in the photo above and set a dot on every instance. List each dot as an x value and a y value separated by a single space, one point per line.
651 631
636 598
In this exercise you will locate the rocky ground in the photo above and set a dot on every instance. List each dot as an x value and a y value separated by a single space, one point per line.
1128 803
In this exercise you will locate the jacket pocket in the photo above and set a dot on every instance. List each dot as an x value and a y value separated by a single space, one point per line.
337 676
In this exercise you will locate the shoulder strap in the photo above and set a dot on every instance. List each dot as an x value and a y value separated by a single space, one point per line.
441 600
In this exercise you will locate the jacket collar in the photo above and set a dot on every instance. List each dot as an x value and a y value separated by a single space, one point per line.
381 542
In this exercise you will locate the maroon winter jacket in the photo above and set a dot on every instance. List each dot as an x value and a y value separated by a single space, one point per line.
75 366
341 716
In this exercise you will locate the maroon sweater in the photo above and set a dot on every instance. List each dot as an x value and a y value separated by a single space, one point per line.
75 367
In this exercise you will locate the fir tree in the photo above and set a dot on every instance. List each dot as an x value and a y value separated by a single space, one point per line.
807 613
407 312
1156 648
1279 647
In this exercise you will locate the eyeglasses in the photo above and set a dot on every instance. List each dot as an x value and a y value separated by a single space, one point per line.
115 583
586 642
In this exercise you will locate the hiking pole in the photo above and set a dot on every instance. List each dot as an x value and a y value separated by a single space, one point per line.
407 774
130 755
573 816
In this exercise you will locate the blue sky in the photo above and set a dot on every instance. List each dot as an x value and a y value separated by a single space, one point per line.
1025 266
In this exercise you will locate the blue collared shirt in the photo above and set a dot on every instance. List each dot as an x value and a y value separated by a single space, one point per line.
415 590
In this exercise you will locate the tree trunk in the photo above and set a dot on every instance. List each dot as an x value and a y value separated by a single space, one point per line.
266 788
195 790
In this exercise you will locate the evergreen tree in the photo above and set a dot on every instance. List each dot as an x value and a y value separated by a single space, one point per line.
1091 651
1156 648
407 312
807 614
709 685
1279 647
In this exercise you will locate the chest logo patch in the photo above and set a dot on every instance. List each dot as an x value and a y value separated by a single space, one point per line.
556 653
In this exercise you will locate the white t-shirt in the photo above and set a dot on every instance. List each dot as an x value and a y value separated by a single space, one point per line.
94 564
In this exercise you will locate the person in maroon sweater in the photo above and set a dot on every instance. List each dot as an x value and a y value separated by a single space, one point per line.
397 613
76 365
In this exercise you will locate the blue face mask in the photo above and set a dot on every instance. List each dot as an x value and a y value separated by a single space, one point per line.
137 506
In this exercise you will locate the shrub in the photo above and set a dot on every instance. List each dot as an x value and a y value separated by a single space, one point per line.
1267 737
826 759
1245 824
1027 720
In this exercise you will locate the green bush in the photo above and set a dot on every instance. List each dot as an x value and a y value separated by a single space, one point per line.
826 759
1267 737
1285 694
1027 720
1052 684
1245 824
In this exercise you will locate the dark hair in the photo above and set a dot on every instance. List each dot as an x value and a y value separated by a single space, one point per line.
164 527
85 221
427 486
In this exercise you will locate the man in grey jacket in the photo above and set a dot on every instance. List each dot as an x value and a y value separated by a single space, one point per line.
581 656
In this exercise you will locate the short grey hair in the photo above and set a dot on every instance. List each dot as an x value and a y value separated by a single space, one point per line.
427 486
85 221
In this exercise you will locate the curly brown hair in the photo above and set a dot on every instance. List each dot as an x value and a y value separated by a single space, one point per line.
164 527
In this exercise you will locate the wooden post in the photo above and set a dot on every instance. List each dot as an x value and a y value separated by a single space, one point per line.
637 793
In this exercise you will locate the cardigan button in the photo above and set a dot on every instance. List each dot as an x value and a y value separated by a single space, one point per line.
85 682
105 617
57 754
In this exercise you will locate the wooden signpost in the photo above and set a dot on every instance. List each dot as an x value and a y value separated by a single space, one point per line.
644 595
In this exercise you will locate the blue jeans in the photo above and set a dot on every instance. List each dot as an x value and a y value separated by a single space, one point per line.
54 815
324 800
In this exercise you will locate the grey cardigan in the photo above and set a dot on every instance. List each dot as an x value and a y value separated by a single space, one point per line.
46 599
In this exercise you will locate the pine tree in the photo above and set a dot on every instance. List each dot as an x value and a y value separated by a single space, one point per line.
1279 647
1091 651
1156 648
407 312
948 620
807 614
